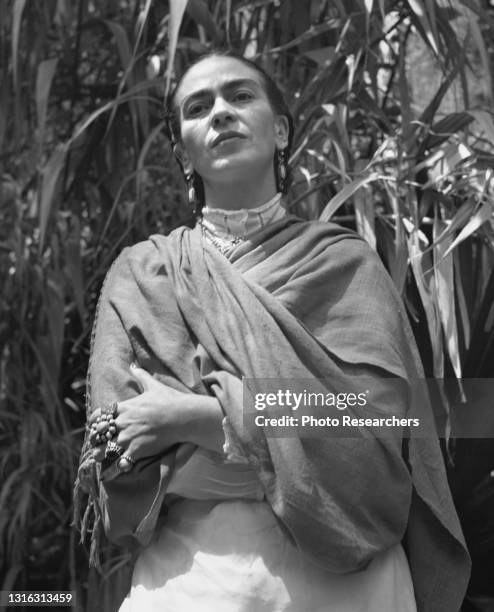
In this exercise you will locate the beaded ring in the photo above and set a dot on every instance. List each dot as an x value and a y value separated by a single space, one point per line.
104 428
125 463
113 451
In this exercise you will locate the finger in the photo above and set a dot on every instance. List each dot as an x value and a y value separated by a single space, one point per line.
112 471
99 452
145 380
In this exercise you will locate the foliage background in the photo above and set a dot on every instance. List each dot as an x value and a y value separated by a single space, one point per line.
393 107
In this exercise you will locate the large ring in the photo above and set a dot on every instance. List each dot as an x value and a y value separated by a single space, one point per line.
113 450
125 463
104 428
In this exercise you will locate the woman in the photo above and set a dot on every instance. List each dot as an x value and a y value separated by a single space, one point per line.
230 516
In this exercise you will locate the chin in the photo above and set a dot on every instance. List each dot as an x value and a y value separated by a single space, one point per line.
227 164
246 163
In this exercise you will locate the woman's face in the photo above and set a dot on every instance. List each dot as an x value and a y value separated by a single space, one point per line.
228 127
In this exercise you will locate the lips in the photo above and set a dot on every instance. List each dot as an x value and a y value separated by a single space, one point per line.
225 136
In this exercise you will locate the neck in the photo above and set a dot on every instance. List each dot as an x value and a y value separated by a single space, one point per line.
241 193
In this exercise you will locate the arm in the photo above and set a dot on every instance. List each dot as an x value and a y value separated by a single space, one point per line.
109 379
177 406
160 416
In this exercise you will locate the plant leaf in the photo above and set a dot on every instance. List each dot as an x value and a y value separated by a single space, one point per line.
50 175
368 6
484 119
137 107
398 255
484 213
141 22
418 11
177 9
142 156
11 576
44 78
431 109
321 56
227 20
120 38
461 215
406 109
74 264
365 216
421 267
199 12
445 127
464 317
54 301
122 41
16 27
313 32
17 11
484 56
347 191
445 294
113 104
4 105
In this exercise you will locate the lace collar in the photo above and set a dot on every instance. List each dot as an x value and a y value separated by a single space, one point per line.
226 223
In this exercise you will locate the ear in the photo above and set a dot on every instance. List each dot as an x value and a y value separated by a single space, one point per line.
281 129
181 154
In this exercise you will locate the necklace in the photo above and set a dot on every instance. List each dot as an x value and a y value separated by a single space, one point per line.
222 244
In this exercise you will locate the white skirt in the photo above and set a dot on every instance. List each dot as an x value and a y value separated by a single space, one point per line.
232 556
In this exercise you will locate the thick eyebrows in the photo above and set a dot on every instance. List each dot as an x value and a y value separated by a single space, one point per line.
226 86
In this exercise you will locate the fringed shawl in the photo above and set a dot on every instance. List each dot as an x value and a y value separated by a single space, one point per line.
305 300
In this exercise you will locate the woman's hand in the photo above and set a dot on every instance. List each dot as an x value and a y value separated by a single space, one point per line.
161 416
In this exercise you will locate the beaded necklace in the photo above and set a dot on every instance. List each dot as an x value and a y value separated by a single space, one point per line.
224 244
226 229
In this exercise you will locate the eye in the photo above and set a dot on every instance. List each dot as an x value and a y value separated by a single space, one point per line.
242 95
195 109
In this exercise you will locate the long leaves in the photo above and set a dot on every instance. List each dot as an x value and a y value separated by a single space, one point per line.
50 175
85 170
46 72
177 10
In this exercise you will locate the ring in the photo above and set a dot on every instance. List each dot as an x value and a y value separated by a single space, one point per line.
125 463
104 428
113 450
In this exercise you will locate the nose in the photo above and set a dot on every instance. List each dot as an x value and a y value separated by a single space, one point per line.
222 113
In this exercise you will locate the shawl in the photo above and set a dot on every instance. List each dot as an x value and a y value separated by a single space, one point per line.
301 300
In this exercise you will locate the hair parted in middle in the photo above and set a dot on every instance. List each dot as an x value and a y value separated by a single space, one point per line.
275 98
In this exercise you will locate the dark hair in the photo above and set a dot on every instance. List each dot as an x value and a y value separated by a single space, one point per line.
273 93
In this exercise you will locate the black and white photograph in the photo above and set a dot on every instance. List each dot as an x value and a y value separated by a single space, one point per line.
247 305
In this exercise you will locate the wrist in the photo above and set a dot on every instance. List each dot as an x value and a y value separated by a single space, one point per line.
203 425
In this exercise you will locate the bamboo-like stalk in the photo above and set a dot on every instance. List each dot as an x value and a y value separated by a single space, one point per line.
392 162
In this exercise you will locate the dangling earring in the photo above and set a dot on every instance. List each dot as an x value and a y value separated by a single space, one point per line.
191 191
281 170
